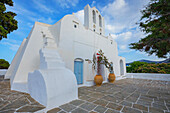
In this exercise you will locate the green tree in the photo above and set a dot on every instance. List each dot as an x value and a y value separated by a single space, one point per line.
4 64
155 23
7 21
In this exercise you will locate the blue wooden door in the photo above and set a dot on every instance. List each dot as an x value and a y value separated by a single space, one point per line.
78 71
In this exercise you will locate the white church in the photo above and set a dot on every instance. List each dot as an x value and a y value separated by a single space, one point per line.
54 60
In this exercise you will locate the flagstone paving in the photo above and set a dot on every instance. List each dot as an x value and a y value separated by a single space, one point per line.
14 101
123 96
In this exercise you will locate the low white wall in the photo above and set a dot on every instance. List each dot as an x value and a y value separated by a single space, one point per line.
151 76
3 71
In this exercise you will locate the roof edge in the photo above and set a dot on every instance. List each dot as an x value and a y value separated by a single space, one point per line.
40 23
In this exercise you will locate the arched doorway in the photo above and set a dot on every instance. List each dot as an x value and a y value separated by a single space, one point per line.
101 68
121 68
78 70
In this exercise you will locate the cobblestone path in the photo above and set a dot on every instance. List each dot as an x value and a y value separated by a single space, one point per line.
127 96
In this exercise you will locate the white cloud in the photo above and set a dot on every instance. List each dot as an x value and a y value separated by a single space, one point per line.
80 15
93 3
121 15
18 9
114 28
67 3
13 47
11 44
41 6
32 16
123 39
42 19
123 47
127 35
122 36
116 8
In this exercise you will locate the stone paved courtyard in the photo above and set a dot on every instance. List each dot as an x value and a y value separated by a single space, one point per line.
13 101
127 95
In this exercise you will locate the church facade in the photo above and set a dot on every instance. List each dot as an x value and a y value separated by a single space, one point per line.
60 56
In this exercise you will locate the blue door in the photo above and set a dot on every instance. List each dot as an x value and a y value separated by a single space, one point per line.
78 71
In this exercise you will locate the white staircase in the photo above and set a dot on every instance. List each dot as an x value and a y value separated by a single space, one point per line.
49 56
52 84
49 41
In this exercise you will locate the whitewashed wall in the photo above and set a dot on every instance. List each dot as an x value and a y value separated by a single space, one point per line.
15 62
3 71
83 43
72 43
150 76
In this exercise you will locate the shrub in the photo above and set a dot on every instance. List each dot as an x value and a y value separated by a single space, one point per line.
142 67
4 64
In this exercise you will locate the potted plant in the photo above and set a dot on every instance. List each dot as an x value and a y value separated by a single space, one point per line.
112 76
109 66
98 79
101 59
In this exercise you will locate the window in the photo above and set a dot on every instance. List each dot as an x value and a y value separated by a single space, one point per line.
94 30
75 24
100 21
100 33
94 17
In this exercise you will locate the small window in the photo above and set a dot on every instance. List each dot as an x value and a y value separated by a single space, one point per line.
94 30
100 21
75 24
94 16
100 33
111 42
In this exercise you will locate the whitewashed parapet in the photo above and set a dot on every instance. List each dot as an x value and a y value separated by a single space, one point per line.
150 76
3 71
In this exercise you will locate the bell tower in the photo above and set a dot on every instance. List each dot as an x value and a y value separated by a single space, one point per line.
93 20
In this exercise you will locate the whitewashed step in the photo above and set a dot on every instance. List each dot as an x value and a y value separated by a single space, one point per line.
49 38
46 50
50 56
48 35
51 65
52 59
50 44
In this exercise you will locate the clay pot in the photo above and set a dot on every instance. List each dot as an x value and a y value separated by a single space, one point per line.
112 77
98 79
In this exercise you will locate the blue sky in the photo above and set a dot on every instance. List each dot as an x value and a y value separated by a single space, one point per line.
120 18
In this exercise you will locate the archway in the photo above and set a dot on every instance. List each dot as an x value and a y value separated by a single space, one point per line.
100 21
94 16
121 68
